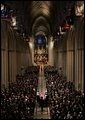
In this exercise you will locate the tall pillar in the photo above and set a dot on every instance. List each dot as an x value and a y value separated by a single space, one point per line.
4 54
51 52
31 46
79 41
12 55
70 55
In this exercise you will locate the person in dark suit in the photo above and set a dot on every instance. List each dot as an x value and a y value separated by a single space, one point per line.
41 103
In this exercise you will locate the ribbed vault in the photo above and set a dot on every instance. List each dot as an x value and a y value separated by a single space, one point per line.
41 24
40 12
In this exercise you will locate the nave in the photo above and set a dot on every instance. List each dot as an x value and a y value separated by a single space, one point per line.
21 101
42 60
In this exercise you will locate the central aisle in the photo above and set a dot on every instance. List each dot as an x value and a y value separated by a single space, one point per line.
42 91
41 115
42 83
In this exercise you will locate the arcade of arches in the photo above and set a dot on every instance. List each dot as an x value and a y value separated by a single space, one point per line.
44 46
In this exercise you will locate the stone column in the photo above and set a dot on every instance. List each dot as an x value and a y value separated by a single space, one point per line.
51 51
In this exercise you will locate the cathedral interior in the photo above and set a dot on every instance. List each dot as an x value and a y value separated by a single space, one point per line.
42 59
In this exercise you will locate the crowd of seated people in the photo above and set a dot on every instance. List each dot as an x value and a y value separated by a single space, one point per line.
65 102
18 101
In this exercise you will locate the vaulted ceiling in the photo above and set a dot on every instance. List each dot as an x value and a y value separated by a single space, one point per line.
35 16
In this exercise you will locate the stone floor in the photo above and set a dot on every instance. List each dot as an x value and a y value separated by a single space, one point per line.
42 115
41 89
41 83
